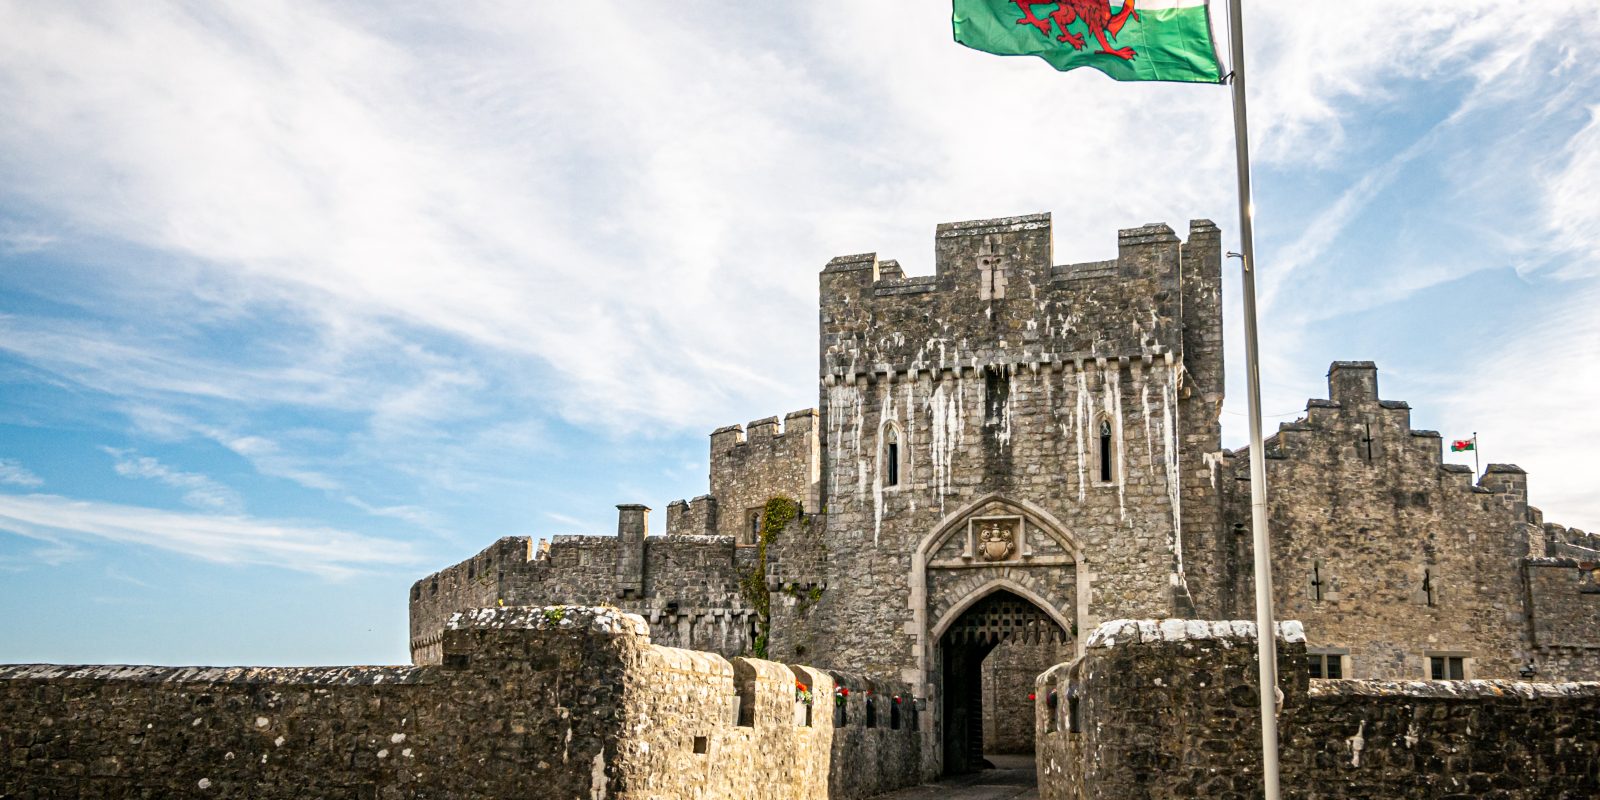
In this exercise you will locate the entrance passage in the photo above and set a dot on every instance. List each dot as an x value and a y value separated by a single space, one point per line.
1020 633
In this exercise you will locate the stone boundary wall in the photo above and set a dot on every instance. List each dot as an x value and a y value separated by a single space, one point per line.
1167 709
551 702
690 591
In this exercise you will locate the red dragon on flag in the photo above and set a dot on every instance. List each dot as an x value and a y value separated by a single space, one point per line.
1096 14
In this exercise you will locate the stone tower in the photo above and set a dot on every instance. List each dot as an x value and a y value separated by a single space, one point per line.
1009 441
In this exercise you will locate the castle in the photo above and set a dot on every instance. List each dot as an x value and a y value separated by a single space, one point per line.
1009 452
1009 526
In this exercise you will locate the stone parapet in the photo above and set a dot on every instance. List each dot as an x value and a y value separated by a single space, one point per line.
1167 709
553 702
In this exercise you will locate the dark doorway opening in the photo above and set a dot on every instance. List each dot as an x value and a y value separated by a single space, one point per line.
1001 618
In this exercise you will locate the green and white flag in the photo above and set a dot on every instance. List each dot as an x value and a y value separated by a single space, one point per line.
1160 40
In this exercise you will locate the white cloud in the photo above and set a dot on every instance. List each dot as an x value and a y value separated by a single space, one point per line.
12 472
516 213
225 539
199 490
1572 198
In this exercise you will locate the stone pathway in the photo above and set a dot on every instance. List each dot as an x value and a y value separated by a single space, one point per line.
1012 779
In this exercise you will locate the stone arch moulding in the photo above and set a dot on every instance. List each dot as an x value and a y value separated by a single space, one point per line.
995 585
1038 517
951 525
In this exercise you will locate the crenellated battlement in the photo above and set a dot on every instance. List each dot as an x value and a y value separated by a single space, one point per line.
1355 422
763 431
697 517
996 297
755 462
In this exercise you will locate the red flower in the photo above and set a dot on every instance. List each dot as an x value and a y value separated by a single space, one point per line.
1030 695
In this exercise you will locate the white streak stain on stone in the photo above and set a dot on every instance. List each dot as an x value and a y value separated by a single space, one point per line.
945 412
1079 410
1213 462
1144 404
1169 440
1356 743
1005 406
844 401
1112 400
597 777
886 415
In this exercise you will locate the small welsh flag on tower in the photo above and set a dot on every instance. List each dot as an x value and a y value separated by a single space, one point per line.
1463 445
1159 40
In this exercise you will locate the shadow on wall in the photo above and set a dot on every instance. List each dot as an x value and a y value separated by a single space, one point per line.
552 701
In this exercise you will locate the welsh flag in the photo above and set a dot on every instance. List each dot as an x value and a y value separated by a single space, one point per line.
1159 40
1463 445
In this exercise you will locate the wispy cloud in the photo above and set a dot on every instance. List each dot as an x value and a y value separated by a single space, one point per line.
573 524
12 472
19 241
199 490
222 539
1572 196
427 241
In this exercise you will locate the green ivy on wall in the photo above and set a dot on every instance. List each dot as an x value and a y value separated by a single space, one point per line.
775 516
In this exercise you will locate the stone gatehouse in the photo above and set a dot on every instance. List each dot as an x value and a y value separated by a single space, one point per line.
1009 452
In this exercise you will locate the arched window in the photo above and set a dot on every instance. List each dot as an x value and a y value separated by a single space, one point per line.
891 457
1107 450
752 533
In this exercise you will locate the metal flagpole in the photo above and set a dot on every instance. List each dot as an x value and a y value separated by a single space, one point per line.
1475 466
1266 638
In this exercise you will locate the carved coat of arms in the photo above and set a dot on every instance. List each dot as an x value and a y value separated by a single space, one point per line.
996 540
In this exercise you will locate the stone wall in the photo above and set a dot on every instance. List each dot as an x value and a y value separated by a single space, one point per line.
1008 688
1167 709
1157 709
533 707
1564 615
689 587
697 517
1387 553
557 702
478 582
994 374
760 461
797 582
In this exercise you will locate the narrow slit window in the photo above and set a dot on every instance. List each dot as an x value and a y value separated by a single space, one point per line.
891 458
1105 451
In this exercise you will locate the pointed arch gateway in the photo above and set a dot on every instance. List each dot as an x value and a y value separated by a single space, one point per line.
998 576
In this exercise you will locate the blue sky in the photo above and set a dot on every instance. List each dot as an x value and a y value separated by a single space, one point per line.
300 301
